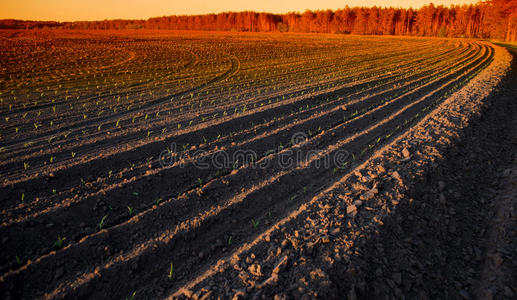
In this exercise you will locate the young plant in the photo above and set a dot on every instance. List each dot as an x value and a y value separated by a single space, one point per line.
171 272
102 222
59 242
254 223
132 297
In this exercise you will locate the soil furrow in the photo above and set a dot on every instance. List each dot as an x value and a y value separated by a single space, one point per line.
364 141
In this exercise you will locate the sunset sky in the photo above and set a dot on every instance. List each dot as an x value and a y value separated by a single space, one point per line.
72 10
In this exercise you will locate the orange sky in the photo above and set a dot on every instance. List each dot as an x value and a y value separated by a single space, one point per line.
72 10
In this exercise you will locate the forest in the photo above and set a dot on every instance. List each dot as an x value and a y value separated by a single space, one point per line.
489 19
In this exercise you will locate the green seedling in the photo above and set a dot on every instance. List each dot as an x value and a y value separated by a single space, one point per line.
132 297
23 197
18 260
25 165
59 242
130 210
254 223
73 154
171 272
102 222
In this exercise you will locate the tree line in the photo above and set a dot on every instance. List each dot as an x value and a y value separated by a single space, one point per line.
490 19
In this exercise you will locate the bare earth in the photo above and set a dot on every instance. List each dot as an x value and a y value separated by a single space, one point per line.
422 206
441 223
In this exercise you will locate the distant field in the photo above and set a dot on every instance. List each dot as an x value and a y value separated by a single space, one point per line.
123 153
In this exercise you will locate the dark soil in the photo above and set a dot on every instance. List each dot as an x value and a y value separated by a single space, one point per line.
436 246
437 243
451 236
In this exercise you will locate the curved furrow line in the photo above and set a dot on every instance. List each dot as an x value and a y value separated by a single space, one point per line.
98 144
258 142
301 217
191 62
375 58
18 110
32 146
404 109
180 250
79 125
150 256
330 109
